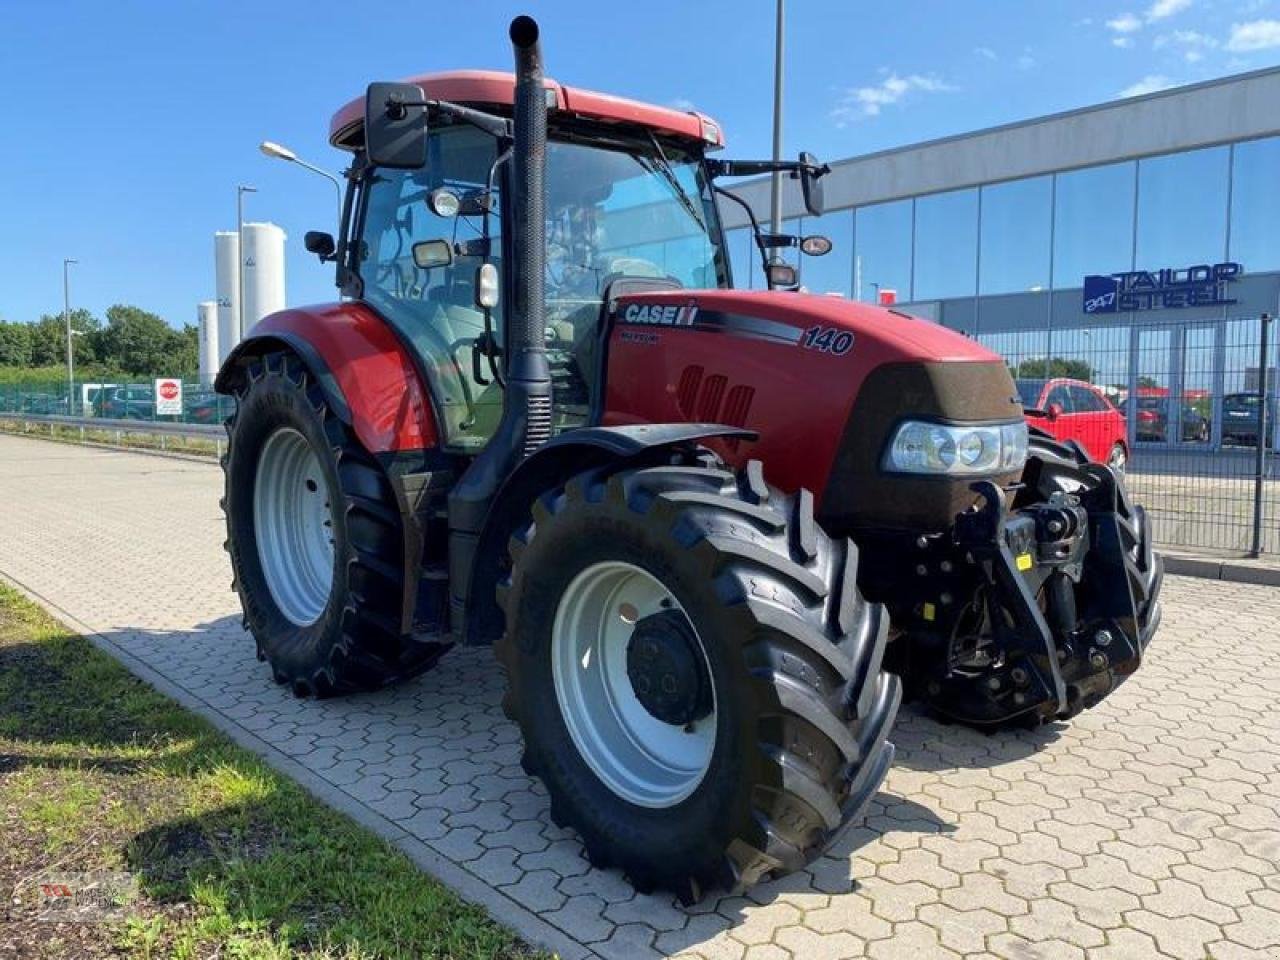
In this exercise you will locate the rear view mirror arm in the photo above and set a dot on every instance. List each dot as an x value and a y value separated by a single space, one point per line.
495 126
755 225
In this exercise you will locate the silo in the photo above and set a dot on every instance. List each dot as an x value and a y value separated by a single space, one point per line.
207 319
226 248
263 266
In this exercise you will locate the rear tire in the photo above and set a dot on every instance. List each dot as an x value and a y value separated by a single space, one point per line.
799 705
327 623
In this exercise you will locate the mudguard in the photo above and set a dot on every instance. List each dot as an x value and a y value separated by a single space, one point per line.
475 608
368 375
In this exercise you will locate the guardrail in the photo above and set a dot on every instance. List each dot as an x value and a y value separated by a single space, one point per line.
121 428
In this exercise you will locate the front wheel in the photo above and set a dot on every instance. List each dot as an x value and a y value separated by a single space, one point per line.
696 676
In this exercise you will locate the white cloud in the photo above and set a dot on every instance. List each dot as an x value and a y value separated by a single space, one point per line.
1254 35
1122 42
1026 61
869 101
1125 23
681 103
1162 9
1185 38
986 53
1148 84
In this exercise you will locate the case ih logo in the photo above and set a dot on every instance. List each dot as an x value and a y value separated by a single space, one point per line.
1199 286
661 315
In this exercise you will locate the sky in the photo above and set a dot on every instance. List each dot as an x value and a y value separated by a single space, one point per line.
127 125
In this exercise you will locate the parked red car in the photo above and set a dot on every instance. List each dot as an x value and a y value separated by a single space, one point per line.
1076 410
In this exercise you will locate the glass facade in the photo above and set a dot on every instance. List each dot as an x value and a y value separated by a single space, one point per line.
1006 262
1047 233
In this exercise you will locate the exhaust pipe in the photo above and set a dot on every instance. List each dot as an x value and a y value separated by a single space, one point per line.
527 360
526 409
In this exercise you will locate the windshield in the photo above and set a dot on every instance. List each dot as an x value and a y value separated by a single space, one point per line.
612 214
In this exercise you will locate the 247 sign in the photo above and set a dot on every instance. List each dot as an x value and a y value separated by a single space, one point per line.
1203 285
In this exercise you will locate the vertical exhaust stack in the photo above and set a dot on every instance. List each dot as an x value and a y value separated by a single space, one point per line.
527 369
526 410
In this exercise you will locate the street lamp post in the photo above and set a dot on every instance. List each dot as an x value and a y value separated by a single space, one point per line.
66 319
280 152
241 190
775 188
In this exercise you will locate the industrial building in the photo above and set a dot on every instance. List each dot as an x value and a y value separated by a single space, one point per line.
1137 240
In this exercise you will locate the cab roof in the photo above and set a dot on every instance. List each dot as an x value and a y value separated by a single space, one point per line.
480 88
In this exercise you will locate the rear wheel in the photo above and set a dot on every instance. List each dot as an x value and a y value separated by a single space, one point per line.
697 678
314 536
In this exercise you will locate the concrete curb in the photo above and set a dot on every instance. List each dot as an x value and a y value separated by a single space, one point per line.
465 884
1229 570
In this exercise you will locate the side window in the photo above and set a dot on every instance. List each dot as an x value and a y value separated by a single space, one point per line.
434 307
1062 397
1085 401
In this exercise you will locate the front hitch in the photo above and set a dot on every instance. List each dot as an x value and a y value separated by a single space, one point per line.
1067 587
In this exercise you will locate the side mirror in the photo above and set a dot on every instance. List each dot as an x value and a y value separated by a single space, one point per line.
1054 411
811 173
815 246
781 275
395 126
432 253
320 243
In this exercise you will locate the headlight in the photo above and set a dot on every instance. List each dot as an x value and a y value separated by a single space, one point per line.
920 447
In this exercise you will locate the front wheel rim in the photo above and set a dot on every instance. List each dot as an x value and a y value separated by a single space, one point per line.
293 526
642 759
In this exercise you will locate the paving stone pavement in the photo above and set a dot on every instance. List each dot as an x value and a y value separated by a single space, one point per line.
1149 827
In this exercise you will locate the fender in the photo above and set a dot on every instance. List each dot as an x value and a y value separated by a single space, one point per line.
369 377
476 617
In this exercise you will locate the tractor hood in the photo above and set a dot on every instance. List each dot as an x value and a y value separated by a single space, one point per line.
825 382
785 317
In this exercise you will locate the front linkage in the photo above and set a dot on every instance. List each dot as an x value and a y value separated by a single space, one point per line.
1063 589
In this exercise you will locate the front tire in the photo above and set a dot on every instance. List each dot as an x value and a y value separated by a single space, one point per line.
741 711
315 540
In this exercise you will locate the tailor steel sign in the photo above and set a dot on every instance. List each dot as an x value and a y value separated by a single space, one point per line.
1204 285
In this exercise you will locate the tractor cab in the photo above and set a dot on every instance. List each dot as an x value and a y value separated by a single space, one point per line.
628 202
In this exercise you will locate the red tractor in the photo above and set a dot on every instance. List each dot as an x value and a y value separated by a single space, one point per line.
541 417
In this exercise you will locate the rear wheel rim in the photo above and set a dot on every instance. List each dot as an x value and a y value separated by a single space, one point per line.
293 526
640 758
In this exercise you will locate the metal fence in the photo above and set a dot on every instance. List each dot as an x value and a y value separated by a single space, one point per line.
1183 399
115 400
1186 402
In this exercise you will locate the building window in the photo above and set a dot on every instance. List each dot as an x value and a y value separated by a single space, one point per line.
882 251
1255 205
1014 246
1092 223
832 273
946 247
1182 209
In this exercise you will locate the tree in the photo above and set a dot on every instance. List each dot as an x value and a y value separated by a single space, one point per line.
15 344
142 344
1040 368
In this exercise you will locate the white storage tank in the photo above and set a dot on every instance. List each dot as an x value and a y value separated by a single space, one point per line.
263 266
226 256
207 320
